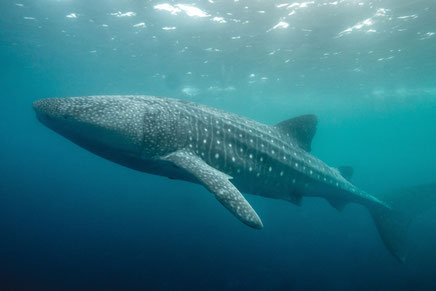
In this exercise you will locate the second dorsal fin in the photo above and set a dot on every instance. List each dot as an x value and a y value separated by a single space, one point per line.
346 172
301 128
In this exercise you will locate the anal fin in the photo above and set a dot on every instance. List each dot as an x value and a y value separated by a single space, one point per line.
295 198
338 204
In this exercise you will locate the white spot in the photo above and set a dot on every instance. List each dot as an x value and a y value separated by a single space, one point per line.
120 14
229 130
217 156
71 15
280 25
233 159
205 129
176 9
281 173
204 141
168 7
311 172
250 169
251 156
218 142
191 10
190 145
261 159
270 169
273 152
190 91
296 165
230 145
219 20
141 24
251 140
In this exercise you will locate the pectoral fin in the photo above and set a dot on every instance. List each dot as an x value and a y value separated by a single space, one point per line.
218 183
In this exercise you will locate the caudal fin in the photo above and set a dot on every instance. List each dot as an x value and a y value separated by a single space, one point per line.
392 227
406 204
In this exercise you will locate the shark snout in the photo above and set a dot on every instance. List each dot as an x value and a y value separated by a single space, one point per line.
38 104
52 108
44 108
52 111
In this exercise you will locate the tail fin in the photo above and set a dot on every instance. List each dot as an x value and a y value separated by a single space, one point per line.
392 227
406 204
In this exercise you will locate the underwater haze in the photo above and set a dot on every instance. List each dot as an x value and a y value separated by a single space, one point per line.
70 220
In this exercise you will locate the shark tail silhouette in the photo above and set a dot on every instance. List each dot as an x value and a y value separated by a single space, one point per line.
393 223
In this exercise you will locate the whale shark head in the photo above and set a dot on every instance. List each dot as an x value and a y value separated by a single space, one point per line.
114 127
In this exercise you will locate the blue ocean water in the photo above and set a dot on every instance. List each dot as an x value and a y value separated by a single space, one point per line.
71 220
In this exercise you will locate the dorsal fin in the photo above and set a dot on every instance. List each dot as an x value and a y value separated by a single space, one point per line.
346 172
301 128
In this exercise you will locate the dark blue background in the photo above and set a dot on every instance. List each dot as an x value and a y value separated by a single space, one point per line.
71 220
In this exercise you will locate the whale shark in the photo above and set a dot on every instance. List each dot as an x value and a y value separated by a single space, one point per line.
226 153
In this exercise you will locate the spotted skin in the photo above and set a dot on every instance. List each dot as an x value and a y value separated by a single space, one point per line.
226 153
